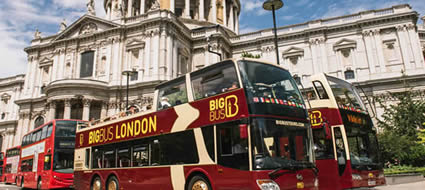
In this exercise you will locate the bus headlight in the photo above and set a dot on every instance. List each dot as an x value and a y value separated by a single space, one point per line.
267 184
316 182
356 177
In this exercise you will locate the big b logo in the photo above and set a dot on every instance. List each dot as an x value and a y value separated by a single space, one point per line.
316 118
222 108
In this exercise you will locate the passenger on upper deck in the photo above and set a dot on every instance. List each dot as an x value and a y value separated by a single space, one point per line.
165 103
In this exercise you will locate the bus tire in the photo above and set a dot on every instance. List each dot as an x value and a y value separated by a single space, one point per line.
112 183
39 183
96 184
199 183
22 182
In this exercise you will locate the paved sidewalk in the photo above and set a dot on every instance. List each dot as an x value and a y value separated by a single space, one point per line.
406 186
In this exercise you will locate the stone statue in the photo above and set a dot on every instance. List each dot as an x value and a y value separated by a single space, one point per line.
37 34
155 5
62 25
91 8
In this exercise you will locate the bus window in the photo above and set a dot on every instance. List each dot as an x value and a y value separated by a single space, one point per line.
97 158
109 158
320 90
217 80
44 132
233 150
38 135
47 162
172 94
141 155
309 94
340 150
124 157
178 148
49 130
24 140
34 138
322 146
87 157
208 134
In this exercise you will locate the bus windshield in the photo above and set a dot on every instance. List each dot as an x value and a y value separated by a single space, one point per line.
345 94
63 159
363 149
271 90
279 146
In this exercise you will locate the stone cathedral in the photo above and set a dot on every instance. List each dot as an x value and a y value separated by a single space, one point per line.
78 72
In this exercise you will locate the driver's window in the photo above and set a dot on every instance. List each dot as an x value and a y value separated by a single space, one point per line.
232 148
340 150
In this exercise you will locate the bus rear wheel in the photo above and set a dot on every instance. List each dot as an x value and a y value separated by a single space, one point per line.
96 184
22 182
199 183
112 184
39 183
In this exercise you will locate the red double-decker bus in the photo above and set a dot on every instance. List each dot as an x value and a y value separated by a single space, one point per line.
11 164
1 164
47 156
234 125
346 146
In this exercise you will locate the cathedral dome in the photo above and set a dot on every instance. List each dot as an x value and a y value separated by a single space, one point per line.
194 13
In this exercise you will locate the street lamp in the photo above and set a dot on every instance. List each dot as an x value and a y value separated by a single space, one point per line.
272 5
128 73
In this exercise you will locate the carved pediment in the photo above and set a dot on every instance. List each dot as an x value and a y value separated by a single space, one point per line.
45 61
345 44
135 44
293 52
86 25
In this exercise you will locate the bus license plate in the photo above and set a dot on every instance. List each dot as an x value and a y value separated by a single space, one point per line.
371 182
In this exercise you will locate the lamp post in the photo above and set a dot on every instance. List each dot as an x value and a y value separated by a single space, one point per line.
272 5
128 73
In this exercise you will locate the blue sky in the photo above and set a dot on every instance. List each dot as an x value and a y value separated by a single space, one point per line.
20 18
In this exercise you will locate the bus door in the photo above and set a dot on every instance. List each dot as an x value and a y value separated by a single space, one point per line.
341 154
232 157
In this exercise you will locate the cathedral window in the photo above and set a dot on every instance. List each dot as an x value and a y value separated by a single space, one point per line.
38 122
87 59
391 51
349 74
3 115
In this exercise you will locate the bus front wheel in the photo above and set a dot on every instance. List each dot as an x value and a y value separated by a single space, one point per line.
113 183
39 183
22 181
96 184
199 183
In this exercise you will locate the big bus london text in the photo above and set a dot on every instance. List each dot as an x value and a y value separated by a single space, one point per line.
226 126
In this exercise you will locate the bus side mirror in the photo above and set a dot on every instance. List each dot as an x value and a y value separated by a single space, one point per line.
243 131
326 131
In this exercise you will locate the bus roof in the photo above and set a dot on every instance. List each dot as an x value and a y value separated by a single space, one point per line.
44 124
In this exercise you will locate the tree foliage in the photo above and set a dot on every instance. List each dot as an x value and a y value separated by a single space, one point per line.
250 55
401 122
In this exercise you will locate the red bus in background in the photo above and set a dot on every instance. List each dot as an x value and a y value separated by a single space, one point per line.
1 164
11 164
48 156
345 141
233 125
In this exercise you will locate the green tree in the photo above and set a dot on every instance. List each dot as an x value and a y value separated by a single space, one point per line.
250 55
400 123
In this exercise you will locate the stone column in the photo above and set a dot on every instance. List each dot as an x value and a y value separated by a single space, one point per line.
231 22
104 110
313 44
175 59
173 6
142 6
237 23
155 54
324 53
147 58
201 10
86 109
52 110
19 134
162 55
415 43
67 109
130 8
369 51
109 12
187 9
224 13
169 56
404 46
379 49
214 11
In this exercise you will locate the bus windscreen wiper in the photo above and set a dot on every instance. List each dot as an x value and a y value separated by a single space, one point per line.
307 164
289 167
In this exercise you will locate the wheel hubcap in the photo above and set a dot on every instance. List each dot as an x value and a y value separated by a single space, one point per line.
96 185
200 185
112 185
